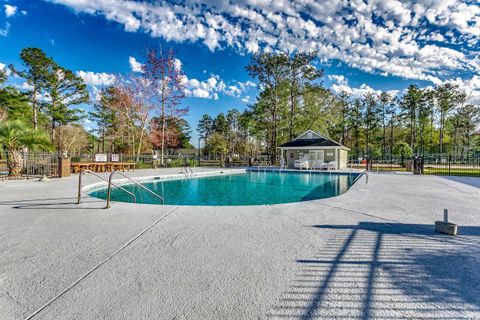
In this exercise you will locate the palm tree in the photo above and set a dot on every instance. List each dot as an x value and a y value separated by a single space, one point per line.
15 136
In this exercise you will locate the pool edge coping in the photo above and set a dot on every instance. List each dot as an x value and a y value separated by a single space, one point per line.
162 177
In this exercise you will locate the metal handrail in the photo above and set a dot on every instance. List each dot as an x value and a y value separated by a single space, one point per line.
258 167
130 179
187 168
313 167
79 196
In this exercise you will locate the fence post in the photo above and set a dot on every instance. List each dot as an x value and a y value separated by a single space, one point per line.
63 166
449 163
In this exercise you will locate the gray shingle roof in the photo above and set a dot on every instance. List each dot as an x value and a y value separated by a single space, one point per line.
314 142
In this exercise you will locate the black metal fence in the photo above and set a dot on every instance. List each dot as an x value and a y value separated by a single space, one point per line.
439 165
37 164
33 165
448 165
143 161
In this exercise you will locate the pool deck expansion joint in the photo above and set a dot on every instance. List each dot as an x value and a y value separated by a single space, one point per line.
49 302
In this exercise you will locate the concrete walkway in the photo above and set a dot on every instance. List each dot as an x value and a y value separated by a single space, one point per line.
369 253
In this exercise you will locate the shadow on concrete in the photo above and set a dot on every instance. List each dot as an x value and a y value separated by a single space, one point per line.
470 181
386 271
52 203
10 202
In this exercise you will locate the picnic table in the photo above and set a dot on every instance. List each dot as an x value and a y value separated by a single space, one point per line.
77 167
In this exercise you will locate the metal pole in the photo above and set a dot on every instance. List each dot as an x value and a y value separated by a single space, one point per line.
109 190
199 149
79 195
449 163
445 215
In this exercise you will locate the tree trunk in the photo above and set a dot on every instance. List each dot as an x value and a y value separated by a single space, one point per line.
52 132
14 163
367 142
356 141
139 149
103 140
163 134
34 106
422 142
391 138
412 131
384 146
431 131
222 160
440 138
292 110
274 136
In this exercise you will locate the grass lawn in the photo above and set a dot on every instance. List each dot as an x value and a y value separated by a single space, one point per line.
470 172
473 172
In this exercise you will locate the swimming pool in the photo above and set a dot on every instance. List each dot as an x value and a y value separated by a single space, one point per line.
241 189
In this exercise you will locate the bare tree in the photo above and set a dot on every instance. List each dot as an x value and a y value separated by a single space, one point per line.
165 81
385 101
71 138
133 105
448 97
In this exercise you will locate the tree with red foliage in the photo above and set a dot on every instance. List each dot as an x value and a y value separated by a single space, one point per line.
129 100
177 133
169 136
166 83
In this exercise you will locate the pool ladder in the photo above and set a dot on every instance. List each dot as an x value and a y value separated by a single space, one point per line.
260 165
266 167
111 183
188 171
313 167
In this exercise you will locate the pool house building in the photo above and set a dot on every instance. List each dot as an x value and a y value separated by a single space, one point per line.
312 150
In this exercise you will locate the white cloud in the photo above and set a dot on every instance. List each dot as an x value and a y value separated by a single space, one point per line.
246 99
178 64
4 32
340 84
201 93
3 67
97 78
24 86
233 91
9 10
206 89
212 87
134 64
471 87
390 37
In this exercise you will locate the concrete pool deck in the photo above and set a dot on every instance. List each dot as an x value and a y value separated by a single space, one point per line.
369 253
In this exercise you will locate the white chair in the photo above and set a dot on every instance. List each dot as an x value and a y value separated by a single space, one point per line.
323 166
331 165
316 164
301 163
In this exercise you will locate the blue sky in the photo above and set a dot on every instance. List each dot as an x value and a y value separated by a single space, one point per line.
362 45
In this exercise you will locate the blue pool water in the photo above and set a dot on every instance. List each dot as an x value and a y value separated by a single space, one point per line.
251 188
